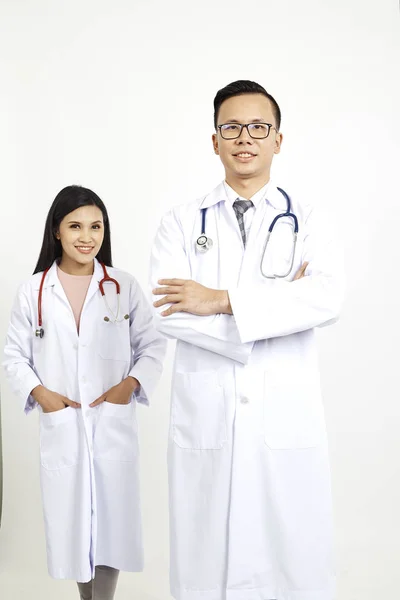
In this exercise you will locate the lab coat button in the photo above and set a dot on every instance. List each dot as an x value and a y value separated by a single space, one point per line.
75 346
83 379
244 400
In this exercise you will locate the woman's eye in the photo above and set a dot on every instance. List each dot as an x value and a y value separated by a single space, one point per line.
74 226
96 227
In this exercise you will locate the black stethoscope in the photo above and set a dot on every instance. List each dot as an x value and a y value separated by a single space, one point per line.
106 278
205 243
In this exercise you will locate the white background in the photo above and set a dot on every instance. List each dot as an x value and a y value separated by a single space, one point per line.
106 94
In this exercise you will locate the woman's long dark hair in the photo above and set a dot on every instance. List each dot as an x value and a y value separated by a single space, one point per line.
69 199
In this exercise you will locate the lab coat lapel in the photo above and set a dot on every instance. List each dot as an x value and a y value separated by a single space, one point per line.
56 304
269 207
229 240
250 255
94 284
220 266
53 281
231 247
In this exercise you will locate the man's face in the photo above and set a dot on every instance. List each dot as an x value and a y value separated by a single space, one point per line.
245 157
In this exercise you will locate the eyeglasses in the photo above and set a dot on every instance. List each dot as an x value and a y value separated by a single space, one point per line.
257 131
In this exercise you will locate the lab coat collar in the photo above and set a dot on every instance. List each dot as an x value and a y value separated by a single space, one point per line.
214 197
273 196
52 277
256 198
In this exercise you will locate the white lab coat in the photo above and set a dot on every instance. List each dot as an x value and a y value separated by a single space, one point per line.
250 504
89 456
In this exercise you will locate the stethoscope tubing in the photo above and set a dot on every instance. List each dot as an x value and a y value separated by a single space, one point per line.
106 278
203 241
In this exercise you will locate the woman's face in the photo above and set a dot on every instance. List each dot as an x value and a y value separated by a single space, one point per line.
81 234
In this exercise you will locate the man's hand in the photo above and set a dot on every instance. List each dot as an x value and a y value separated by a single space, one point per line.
51 401
119 394
301 272
186 295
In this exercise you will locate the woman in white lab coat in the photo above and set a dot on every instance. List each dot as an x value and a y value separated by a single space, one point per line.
83 359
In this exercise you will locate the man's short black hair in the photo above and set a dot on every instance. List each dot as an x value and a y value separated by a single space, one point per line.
238 88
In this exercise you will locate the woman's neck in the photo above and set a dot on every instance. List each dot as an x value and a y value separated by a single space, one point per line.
71 267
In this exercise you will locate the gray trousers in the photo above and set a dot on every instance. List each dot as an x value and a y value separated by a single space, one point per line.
102 587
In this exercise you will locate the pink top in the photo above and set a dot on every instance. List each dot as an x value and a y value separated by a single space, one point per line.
75 288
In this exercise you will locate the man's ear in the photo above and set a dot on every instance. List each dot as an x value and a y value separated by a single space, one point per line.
278 143
215 143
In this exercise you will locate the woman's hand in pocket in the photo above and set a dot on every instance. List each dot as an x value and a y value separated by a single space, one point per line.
119 394
51 401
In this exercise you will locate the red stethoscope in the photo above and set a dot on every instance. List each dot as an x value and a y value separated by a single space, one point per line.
40 331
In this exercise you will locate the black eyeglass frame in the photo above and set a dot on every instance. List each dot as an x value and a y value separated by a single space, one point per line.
242 125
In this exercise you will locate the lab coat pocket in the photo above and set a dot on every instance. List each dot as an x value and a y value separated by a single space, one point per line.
293 411
116 433
59 438
198 411
114 340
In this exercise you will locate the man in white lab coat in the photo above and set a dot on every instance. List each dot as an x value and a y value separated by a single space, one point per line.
250 502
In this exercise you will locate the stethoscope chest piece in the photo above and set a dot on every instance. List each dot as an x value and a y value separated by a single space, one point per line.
203 243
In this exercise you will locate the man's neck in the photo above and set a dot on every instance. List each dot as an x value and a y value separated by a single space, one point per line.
246 188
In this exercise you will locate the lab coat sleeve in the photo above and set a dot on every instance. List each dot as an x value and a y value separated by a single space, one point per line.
216 333
148 345
276 307
18 353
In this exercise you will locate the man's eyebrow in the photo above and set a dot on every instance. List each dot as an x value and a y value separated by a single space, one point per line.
252 121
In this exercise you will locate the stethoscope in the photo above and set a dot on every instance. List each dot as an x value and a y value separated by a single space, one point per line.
106 278
205 243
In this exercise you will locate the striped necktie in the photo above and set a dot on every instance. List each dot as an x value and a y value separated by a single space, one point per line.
240 207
